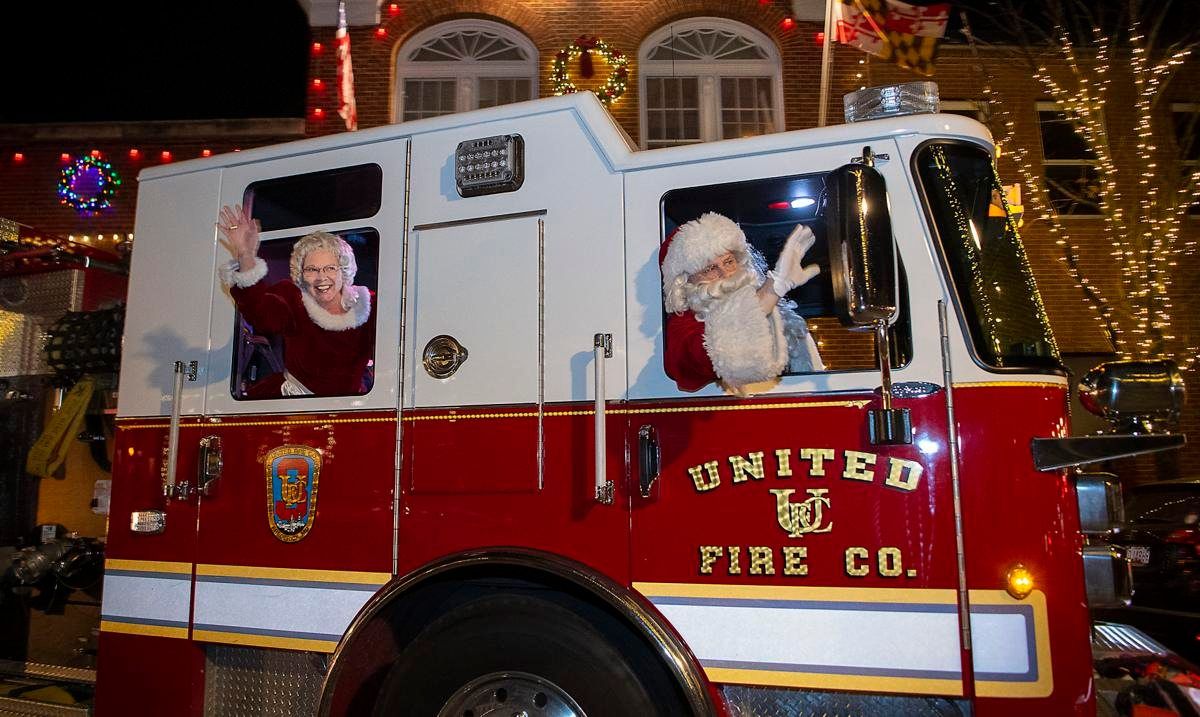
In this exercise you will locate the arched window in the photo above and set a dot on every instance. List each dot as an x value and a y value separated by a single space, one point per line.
708 78
463 65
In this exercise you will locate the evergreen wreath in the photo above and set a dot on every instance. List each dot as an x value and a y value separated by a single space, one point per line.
582 48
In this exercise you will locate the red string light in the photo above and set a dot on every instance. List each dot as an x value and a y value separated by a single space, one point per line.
135 153
19 157
206 153
166 156
393 9
316 48
317 83
787 23
64 157
381 32
318 113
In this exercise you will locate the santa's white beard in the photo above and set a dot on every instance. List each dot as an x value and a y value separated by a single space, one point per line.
748 346
701 298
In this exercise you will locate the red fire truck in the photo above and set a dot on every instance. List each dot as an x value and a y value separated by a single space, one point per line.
519 512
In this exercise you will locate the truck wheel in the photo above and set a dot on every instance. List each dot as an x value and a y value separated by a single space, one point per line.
524 655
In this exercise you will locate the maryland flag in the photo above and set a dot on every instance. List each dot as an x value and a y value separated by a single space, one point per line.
892 29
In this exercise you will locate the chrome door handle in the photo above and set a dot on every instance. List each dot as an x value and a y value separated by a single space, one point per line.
601 349
649 459
211 464
170 488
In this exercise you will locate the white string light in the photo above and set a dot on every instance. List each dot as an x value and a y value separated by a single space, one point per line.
1143 218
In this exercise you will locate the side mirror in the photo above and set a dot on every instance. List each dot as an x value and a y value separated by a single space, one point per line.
862 260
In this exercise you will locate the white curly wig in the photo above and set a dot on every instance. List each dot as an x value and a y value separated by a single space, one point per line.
329 242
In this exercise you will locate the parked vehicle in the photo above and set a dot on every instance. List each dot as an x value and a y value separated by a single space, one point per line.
1162 541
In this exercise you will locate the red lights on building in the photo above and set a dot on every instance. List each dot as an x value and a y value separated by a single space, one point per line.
316 48
166 155
819 38
318 113
135 153
64 157
206 152
393 9
787 24
318 83
380 32
95 153
18 157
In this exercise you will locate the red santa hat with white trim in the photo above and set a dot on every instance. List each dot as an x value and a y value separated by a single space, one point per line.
693 247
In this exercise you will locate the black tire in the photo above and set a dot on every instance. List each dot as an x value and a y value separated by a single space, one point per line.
548 652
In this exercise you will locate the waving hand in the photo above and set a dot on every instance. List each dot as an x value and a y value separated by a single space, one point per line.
241 234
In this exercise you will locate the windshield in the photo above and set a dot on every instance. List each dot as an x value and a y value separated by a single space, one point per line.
990 273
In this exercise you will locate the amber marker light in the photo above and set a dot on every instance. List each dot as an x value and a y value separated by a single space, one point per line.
1018 581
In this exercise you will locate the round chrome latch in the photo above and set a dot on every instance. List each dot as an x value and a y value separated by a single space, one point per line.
443 355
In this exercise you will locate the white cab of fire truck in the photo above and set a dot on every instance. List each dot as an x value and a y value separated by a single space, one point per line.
515 454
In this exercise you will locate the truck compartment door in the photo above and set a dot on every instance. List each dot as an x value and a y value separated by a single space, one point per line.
475 328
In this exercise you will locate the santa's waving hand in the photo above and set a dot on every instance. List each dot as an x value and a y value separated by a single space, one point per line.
726 322
789 271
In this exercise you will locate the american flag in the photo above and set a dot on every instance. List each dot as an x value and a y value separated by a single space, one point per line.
345 72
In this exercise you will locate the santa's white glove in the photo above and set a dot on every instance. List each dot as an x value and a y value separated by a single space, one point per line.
789 271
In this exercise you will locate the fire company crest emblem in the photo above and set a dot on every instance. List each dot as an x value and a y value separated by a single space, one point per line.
806 516
292 473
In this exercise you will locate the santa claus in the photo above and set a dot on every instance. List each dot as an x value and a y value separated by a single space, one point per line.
726 320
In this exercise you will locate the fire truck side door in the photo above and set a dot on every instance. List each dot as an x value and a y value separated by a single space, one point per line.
296 532
785 547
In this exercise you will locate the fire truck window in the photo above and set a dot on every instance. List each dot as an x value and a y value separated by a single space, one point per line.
767 210
305 200
288 347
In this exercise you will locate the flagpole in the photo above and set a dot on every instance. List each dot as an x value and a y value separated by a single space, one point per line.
826 52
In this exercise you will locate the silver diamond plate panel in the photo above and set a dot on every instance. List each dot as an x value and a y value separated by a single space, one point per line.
29 306
746 701
244 681
57 672
13 707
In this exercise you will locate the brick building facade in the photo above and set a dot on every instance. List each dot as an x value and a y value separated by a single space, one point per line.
384 36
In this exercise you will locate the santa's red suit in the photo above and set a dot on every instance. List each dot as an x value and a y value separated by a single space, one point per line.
325 353
731 339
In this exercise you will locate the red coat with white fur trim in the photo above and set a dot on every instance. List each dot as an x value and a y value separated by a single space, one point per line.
328 353
685 359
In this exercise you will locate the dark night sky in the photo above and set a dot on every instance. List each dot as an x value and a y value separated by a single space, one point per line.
179 59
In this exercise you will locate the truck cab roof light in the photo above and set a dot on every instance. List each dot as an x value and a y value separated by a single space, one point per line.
909 98
489 165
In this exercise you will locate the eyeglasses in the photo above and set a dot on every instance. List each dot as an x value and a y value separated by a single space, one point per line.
330 270
724 266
